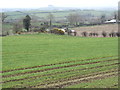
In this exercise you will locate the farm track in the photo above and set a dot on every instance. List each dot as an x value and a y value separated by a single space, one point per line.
60 72
36 71
55 64
76 80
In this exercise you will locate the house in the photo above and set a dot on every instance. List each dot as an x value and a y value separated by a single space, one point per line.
111 21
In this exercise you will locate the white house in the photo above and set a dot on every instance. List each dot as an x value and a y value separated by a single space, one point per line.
111 21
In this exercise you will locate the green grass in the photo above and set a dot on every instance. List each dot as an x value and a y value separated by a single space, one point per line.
53 78
31 50
102 83
23 51
57 70
66 64
46 79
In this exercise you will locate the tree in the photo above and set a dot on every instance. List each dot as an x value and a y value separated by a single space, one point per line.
116 16
119 14
26 22
84 34
103 18
4 16
50 17
44 26
104 34
74 18
17 28
70 18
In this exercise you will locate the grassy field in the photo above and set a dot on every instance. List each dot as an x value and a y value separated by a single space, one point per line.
47 60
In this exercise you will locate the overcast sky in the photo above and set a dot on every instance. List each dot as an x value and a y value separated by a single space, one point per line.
61 3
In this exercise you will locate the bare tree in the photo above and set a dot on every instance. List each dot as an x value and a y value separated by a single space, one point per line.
74 18
4 16
119 11
103 18
70 18
17 28
116 16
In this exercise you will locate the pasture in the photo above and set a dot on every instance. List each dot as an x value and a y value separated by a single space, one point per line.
59 61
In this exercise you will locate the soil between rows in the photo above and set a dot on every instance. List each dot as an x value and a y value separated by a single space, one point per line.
84 80
36 71
55 64
64 82
59 73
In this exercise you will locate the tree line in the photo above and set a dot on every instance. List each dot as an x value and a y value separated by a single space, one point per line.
73 19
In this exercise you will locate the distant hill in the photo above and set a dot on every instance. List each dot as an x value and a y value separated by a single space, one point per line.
50 7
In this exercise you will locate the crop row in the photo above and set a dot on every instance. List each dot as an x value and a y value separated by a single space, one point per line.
39 76
102 64
57 76
52 74
82 65
70 80
54 64
54 68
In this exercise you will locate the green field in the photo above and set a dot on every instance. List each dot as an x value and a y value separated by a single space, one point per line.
48 60
58 14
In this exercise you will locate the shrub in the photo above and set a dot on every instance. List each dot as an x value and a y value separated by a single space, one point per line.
112 34
57 31
118 34
104 34
96 34
90 34
42 29
84 34
17 28
93 34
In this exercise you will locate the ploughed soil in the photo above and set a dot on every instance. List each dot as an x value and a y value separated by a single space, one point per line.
108 28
